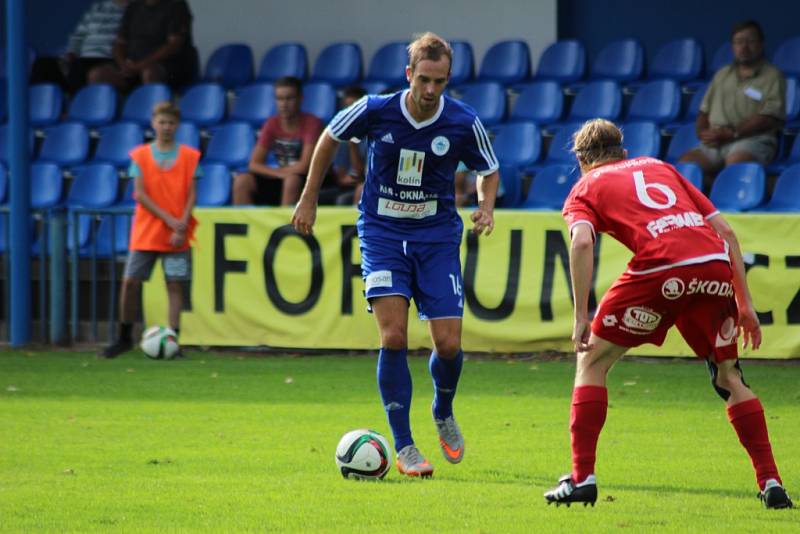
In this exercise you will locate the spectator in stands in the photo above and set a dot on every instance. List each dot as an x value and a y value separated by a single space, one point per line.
153 44
164 175
743 109
90 44
290 136
348 165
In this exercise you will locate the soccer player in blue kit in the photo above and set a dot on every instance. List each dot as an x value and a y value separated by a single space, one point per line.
410 232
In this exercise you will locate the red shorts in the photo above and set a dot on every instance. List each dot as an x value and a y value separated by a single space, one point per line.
698 299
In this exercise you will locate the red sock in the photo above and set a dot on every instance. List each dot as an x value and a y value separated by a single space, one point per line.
589 406
748 420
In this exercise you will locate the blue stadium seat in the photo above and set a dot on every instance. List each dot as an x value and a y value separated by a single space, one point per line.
550 187
656 100
254 104
463 68
103 242
506 62
787 57
230 65
94 105
597 99
47 185
45 103
214 187
116 141
792 103
563 61
786 194
738 187
487 98
374 87
66 144
230 144
319 98
4 143
339 64
641 138
692 172
680 60
127 199
188 134
3 184
682 141
621 61
510 186
517 144
722 56
541 102
285 59
139 104
95 186
388 65
777 167
691 110
203 104
3 100
560 149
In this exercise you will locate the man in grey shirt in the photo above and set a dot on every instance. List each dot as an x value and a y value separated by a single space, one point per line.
743 109
90 44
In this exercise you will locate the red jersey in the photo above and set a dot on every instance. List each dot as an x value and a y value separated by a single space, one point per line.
288 146
646 205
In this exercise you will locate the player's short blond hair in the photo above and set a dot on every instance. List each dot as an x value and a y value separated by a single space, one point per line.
598 141
167 108
430 46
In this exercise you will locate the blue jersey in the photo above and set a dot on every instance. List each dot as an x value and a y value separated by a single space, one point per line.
409 193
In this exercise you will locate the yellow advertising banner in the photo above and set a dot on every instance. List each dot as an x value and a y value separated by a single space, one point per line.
258 283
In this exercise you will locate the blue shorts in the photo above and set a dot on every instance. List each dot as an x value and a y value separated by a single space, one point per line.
430 273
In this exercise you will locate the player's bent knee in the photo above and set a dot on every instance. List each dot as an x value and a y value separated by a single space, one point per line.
394 340
726 379
447 349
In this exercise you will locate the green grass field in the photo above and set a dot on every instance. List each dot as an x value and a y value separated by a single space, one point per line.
227 443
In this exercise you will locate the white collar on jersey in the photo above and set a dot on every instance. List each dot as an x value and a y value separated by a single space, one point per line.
410 119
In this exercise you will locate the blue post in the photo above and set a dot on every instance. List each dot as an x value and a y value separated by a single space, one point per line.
18 157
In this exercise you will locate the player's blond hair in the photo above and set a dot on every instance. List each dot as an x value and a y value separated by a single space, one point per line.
430 46
167 108
598 141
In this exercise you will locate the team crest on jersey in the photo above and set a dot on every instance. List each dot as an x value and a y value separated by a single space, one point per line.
673 288
640 319
440 145
409 168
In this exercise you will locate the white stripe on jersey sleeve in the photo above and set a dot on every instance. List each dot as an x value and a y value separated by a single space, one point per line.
345 118
484 145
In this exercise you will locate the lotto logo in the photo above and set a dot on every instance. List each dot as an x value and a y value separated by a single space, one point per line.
642 319
727 333
379 279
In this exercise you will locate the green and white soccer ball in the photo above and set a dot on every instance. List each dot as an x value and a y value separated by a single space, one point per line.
363 454
159 343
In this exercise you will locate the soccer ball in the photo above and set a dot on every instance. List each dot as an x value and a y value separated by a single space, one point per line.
363 454
159 342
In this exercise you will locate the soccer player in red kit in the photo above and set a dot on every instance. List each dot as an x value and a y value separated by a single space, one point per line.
687 271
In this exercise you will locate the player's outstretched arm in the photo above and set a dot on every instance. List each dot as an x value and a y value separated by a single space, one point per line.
748 320
581 265
483 217
305 213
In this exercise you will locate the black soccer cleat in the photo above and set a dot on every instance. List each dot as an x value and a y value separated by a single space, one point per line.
115 349
568 492
774 496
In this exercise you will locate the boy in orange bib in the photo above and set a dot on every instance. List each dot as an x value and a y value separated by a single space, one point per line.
164 175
